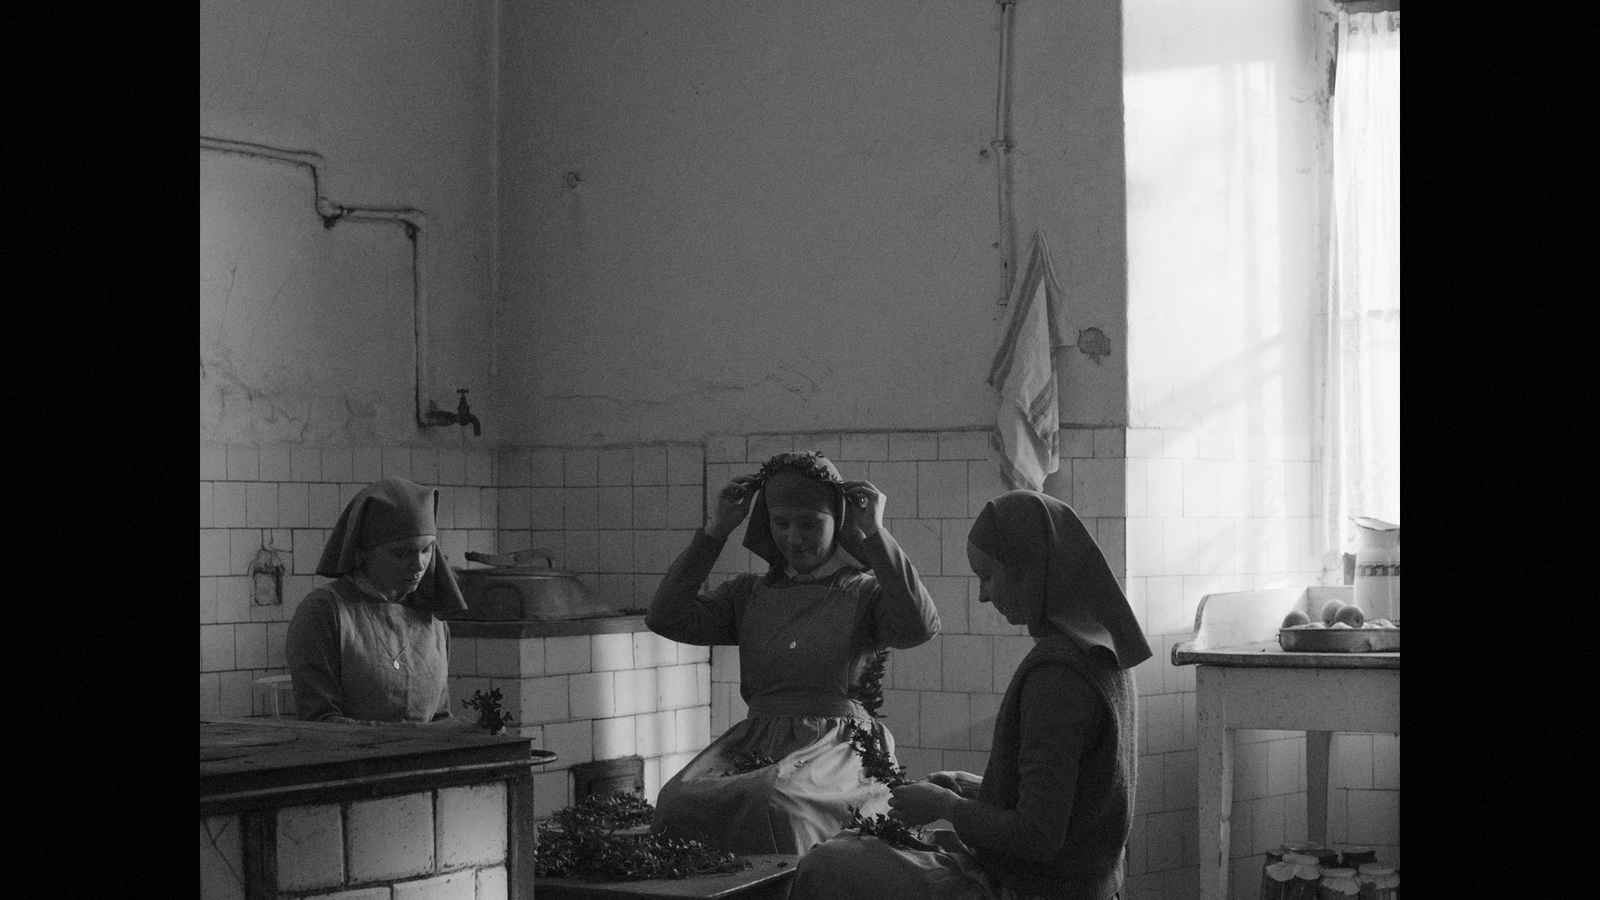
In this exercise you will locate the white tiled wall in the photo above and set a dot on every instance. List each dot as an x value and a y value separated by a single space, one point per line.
289 499
613 516
593 697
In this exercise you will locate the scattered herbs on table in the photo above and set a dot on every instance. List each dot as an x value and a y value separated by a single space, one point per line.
491 717
581 842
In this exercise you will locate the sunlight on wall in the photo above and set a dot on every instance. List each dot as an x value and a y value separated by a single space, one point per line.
1206 234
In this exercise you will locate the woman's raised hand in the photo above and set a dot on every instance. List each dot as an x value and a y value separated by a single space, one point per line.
733 504
863 509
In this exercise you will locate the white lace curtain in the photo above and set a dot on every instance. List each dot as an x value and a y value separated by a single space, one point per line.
1361 458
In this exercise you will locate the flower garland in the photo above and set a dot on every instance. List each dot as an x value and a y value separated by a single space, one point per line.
878 765
811 464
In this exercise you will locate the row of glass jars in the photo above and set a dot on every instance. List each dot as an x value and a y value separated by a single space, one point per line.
1309 871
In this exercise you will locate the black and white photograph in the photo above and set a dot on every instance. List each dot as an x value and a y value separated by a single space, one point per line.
799 450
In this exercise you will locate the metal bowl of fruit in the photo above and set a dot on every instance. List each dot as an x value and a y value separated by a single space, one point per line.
1341 628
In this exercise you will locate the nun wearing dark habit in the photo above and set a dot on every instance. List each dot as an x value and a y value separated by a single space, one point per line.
1052 812
371 647
838 591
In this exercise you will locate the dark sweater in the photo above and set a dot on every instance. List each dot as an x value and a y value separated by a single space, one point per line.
1058 790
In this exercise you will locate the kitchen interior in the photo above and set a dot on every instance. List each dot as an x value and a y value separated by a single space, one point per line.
577 264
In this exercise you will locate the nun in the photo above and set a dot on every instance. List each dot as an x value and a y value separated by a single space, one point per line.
1051 813
838 590
371 647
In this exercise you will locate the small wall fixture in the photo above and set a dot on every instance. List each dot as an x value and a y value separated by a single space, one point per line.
462 416
266 577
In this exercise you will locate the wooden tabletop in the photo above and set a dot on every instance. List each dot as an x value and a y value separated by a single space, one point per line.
764 868
252 761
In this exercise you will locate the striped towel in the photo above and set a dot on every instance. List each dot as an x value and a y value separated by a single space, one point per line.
1024 443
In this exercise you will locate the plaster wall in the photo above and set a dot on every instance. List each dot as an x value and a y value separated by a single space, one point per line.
723 216
306 333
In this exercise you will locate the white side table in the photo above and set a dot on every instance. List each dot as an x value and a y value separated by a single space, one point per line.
1244 682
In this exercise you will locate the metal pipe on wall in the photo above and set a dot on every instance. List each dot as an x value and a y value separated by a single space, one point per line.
1002 146
332 213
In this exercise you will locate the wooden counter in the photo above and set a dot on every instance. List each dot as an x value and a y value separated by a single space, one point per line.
253 770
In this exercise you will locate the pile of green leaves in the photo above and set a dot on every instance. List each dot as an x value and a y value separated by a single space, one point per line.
581 842
491 717
618 809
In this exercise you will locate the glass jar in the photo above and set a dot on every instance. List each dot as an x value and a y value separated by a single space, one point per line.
1338 884
1378 882
1327 857
1270 889
1356 857
1294 877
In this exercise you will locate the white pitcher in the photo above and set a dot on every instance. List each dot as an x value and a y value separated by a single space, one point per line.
1377 582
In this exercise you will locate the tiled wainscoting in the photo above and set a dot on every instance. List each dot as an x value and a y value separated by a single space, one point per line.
592 697
288 499
444 844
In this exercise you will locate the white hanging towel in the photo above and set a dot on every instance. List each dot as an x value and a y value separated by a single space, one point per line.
1024 445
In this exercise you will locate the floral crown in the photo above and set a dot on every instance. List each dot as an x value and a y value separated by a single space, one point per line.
812 465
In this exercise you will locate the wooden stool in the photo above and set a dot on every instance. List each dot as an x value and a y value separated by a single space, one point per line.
766 879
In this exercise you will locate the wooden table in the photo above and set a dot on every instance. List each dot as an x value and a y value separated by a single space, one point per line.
767 877
1244 680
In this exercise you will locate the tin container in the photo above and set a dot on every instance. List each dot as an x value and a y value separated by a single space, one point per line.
1339 640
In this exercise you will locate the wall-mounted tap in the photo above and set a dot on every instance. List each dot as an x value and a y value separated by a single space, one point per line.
464 414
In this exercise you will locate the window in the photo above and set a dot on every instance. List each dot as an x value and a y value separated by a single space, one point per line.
1361 421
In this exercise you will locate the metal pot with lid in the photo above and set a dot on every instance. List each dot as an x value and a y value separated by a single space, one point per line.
511 588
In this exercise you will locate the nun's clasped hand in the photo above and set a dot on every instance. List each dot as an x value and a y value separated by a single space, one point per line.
919 803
